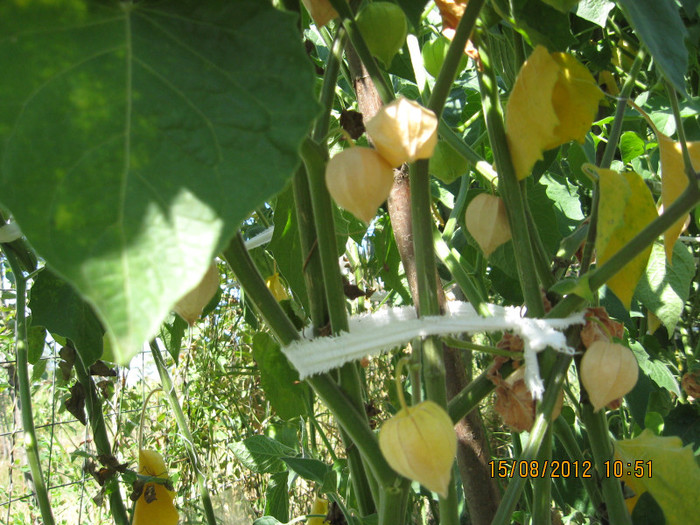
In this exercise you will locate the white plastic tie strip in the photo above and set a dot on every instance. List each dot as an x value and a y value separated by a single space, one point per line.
10 232
372 334
262 238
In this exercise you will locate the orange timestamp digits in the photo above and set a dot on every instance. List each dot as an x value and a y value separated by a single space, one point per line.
539 469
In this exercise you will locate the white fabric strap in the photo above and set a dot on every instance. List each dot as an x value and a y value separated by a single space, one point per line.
371 334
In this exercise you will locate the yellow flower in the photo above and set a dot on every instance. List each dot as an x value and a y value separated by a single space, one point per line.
554 100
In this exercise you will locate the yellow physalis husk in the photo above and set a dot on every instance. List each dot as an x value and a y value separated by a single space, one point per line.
161 510
320 506
487 222
403 131
420 443
359 180
321 11
554 101
608 372
191 305
274 284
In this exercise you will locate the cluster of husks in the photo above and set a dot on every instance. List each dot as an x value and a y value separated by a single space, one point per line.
359 179
420 443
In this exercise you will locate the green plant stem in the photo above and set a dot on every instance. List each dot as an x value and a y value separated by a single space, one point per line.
330 78
542 484
465 281
383 88
314 160
596 278
466 151
509 187
601 446
541 258
183 427
453 342
477 390
316 293
330 393
25 396
687 162
538 433
563 432
447 74
93 406
616 129
243 267
606 161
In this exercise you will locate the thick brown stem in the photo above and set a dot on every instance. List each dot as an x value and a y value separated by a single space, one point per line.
480 491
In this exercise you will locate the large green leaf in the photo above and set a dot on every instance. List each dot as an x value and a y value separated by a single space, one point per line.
57 307
655 369
658 23
664 287
277 497
137 136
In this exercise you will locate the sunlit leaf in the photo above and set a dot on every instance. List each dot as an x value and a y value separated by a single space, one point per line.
554 101
136 136
626 206
674 479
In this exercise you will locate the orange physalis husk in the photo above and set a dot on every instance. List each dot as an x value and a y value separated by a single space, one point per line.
554 101
161 510
274 284
321 11
451 12
320 506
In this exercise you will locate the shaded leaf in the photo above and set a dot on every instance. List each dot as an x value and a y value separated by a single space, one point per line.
664 287
261 454
561 5
658 23
277 497
36 340
626 206
308 468
675 475
132 136
541 24
57 306
287 395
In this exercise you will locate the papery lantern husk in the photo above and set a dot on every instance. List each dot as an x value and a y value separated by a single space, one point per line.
161 510
608 372
403 131
420 443
359 180
487 222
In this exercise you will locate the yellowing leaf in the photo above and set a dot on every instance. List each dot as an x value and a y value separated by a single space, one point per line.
155 505
673 177
674 181
554 100
674 479
624 209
